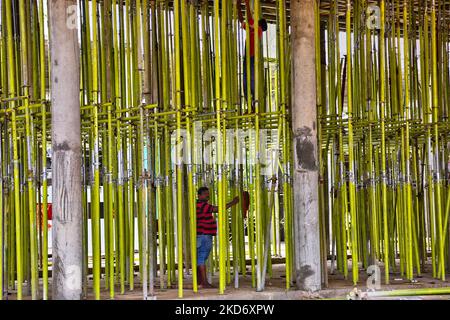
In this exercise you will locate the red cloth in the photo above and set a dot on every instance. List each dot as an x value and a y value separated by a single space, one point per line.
40 209
245 203
252 36
49 211
206 224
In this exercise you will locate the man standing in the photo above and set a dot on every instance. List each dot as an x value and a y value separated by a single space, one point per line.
262 28
206 229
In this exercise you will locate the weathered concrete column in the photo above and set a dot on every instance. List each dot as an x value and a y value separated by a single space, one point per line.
66 155
306 174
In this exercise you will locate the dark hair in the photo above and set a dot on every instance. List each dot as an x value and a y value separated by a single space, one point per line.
201 190
263 24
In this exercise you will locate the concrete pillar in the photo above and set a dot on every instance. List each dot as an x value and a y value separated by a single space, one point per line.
66 155
306 167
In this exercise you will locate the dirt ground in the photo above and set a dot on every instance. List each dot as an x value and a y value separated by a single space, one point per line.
275 289
338 288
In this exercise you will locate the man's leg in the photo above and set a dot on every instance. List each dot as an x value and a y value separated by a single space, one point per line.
202 275
199 278
207 248
200 261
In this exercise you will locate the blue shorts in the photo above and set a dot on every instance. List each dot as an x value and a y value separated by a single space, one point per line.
204 245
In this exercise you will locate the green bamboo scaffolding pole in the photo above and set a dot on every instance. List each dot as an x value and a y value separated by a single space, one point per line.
12 93
383 172
351 173
43 95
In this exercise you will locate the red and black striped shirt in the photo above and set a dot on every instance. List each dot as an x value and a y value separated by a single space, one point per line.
206 224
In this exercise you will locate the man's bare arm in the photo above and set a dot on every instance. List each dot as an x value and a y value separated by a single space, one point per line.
234 202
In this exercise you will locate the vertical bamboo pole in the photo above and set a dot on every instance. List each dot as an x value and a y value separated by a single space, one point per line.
29 154
382 64
179 167
351 173
43 96
12 93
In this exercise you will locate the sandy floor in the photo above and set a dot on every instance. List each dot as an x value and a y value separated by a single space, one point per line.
338 288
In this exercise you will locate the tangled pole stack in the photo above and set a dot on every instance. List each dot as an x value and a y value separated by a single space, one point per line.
162 87
384 136
156 78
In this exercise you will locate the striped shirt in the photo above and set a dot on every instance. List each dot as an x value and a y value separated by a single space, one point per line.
206 224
